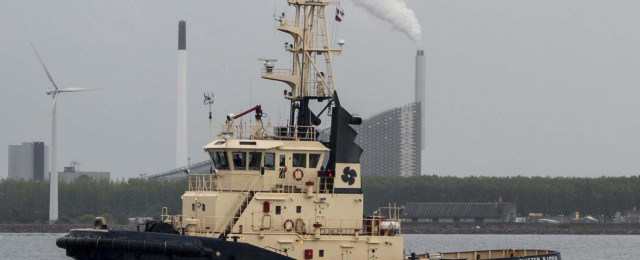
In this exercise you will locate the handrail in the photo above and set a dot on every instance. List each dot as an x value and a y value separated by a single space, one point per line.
200 182
277 72
241 201
285 132
332 227
255 182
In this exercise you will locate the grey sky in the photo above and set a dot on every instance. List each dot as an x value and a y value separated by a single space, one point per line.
513 87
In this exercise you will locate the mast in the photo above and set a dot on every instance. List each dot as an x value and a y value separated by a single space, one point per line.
311 75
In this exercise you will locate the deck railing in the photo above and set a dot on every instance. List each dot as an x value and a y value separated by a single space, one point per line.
277 72
256 223
243 182
246 131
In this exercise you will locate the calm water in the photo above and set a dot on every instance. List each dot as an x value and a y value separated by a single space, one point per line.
42 246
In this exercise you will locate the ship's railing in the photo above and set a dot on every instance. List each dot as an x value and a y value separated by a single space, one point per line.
246 131
269 223
386 220
174 220
276 72
258 221
243 182
287 23
201 182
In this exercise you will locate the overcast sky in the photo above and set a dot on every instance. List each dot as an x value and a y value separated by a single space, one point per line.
544 87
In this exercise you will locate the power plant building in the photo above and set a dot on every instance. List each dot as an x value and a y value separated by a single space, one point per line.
394 139
391 142
28 161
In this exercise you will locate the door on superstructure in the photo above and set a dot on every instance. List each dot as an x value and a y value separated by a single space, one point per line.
346 254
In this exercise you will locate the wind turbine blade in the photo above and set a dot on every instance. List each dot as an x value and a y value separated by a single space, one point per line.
53 106
78 89
44 67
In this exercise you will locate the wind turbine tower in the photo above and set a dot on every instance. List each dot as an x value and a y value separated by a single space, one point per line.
182 157
53 177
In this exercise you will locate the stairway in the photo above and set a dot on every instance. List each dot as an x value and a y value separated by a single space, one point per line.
236 216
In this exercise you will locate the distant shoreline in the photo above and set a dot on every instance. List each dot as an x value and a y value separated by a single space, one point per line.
409 228
521 228
57 228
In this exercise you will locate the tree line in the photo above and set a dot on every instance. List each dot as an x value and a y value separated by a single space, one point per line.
79 201
551 196
28 201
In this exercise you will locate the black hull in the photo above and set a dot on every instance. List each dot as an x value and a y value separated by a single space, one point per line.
112 245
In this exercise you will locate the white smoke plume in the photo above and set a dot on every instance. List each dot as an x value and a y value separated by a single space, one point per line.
397 13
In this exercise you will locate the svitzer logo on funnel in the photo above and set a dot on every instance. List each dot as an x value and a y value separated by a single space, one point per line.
349 175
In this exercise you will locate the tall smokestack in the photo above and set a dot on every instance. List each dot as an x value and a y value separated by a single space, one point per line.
182 157
420 95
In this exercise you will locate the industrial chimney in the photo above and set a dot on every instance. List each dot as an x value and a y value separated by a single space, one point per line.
420 95
181 111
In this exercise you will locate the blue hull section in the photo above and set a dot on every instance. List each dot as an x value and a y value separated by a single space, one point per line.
113 245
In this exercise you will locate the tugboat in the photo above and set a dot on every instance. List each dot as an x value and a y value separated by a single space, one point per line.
278 192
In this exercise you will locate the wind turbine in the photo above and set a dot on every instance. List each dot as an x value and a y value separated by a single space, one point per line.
53 177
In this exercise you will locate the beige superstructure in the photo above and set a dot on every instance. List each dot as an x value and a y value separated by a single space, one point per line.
270 195
272 186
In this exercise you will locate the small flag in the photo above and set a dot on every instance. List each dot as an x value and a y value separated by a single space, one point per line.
339 14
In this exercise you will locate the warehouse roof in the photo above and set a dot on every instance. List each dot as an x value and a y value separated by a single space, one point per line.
458 210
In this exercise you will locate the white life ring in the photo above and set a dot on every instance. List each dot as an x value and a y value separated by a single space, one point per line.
288 225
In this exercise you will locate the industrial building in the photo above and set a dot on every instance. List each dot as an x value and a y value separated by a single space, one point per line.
391 142
70 175
394 139
28 161
460 212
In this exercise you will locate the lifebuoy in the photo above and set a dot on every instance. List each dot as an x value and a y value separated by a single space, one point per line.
298 174
288 225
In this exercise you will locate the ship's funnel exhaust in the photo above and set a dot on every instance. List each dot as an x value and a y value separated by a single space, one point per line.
182 158
420 92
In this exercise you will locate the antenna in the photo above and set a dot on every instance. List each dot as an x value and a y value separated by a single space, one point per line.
269 64
208 100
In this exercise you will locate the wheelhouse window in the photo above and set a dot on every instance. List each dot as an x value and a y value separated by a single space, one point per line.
314 158
220 160
255 159
270 161
282 160
300 160
239 160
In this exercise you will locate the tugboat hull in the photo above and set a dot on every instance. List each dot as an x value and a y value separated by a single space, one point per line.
111 245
